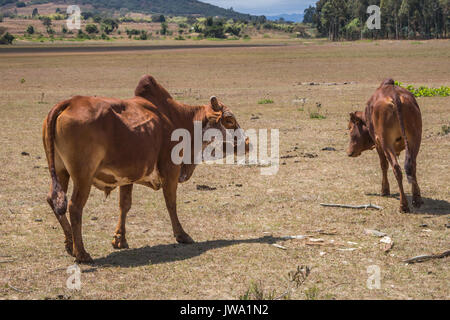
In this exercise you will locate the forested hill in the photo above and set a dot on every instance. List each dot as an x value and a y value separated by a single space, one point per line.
167 7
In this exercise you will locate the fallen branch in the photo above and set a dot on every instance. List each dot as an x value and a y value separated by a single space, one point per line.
424 258
6 261
18 290
364 206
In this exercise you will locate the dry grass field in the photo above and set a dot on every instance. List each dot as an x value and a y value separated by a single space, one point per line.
236 224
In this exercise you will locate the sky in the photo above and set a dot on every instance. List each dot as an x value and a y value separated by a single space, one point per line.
264 7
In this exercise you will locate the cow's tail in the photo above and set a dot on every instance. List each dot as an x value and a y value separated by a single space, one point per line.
396 101
57 197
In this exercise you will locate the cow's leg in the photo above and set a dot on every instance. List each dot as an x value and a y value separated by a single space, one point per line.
417 198
120 242
170 195
79 197
392 158
385 190
63 177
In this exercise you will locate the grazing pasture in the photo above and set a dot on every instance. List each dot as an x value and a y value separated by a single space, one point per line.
234 213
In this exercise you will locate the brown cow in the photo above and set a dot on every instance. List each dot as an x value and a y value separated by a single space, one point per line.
113 143
391 123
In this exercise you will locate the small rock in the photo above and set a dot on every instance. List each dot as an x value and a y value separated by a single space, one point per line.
38 220
375 233
94 218
25 153
328 149
202 187
310 155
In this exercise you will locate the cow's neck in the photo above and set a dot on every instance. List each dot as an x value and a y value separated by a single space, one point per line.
184 116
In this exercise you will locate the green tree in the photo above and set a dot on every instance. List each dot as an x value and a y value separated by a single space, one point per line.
109 25
91 28
309 14
164 28
7 38
46 21
30 30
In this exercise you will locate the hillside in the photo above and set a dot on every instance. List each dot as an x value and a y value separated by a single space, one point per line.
167 7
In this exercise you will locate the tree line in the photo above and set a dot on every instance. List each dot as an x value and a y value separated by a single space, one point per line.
400 19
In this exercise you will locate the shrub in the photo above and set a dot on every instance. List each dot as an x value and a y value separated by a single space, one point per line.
257 292
164 28
423 91
21 4
143 35
158 18
7 38
91 28
265 101
30 30
109 25
46 21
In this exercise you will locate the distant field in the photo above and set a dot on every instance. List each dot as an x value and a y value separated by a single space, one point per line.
236 224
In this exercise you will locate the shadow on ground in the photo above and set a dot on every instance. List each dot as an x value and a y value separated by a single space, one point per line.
430 206
171 252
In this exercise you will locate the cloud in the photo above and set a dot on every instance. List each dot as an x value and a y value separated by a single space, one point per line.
266 7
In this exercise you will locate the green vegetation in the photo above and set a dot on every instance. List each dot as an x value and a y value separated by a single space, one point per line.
445 130
423 91
6 38
91 28
30 30
400 19
256 292
265 101
312 293
167 7
316 114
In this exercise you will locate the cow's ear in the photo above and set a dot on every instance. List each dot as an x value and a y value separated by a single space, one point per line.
354 118
215 104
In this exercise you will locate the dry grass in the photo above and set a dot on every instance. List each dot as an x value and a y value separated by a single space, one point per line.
234 225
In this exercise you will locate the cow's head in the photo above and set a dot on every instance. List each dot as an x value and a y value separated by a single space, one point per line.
360 139
220 117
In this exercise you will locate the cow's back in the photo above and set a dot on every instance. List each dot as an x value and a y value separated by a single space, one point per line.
119 136
382 114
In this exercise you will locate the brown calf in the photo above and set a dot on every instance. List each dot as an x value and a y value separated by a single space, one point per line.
113 143
391 123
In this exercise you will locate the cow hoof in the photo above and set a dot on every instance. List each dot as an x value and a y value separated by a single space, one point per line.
69 248
83 258
417 203
385 193
119 242
404 209
184 238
